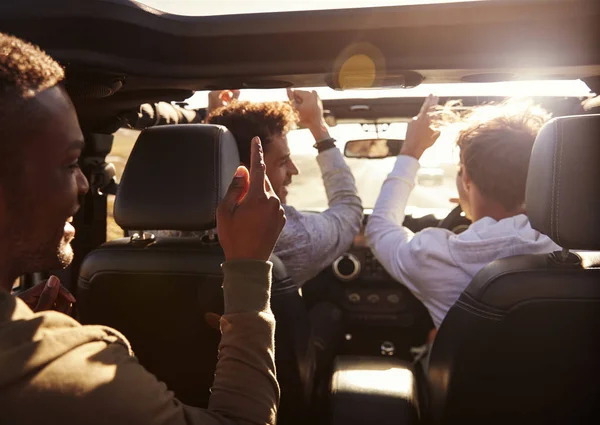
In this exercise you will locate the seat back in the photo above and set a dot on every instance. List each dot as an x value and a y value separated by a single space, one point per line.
165 298
521 344
164 293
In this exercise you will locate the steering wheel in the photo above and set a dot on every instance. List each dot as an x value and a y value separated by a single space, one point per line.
455 221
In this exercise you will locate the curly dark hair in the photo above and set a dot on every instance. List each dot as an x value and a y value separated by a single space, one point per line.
495 142
25 71
247 120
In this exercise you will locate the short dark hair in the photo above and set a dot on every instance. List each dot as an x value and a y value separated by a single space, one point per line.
495 142
25 71
247 120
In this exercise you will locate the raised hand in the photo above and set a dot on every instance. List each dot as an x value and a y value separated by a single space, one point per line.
310 112
219 98
419 134
250 218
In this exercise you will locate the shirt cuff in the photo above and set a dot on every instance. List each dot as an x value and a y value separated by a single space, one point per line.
330 160
247 286
406 168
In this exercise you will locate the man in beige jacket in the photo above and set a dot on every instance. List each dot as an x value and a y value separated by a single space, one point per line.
55 371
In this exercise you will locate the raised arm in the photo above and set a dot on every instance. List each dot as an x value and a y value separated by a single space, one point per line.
311 242
402 253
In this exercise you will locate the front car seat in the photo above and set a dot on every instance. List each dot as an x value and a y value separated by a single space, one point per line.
165 293
521 345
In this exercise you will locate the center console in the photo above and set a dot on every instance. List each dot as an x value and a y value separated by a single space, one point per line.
373 390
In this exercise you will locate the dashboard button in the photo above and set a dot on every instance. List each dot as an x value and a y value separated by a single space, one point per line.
354 298
393 299
373 298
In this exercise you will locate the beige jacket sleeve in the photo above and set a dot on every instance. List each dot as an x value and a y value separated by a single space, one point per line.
99 382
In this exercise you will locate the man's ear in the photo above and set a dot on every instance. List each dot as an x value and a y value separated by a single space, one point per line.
466 179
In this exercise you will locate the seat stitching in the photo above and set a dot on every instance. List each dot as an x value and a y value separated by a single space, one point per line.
477 308
476 313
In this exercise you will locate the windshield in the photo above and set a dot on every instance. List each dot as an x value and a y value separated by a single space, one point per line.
435 183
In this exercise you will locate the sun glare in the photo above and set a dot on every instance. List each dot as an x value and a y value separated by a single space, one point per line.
235 7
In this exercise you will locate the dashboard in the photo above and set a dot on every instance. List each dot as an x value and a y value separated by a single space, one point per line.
377 309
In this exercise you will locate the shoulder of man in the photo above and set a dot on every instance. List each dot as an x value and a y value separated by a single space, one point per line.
53 335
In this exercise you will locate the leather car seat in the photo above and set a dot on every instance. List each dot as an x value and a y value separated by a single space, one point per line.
295 354
164 293
521 345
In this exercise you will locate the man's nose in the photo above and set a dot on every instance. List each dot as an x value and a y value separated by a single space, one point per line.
294 170
82 183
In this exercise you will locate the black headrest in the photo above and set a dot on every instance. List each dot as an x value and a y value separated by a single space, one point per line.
175 177
563 185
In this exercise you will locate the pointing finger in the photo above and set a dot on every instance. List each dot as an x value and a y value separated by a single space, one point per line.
429 103
290 94
257 169
237 189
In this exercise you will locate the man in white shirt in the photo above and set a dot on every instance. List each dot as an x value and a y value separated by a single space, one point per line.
435 264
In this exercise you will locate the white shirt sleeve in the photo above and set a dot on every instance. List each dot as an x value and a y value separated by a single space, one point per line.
310 242
416 260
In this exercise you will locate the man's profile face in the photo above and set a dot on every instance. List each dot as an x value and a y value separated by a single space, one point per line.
280 167
46 190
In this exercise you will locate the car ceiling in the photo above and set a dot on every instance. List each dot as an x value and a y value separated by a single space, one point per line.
119 53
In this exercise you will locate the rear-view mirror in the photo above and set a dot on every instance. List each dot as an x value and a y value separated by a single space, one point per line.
372 148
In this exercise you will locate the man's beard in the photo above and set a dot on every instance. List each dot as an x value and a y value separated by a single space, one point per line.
32 256
33 248
65 253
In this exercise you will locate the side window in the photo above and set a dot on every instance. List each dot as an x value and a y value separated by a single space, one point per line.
122 146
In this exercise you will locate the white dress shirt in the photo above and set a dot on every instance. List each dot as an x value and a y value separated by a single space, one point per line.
436 264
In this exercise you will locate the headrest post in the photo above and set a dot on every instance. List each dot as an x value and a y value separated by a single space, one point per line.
141 237
211 235
564 254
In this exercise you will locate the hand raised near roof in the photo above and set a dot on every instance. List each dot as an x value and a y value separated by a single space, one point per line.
310 112
219 98
419 134
250 218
